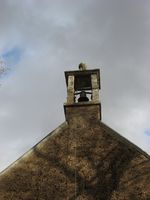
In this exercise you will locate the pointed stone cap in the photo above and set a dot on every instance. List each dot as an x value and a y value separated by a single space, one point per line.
82 66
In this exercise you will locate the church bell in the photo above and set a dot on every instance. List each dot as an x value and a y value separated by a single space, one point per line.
83 97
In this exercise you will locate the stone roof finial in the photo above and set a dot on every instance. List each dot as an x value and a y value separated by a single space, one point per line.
82 66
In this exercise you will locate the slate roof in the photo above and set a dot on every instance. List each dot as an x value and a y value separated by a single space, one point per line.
84 163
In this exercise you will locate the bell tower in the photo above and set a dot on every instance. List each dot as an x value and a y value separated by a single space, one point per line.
83 101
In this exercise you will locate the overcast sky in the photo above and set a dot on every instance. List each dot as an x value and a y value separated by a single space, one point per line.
39 40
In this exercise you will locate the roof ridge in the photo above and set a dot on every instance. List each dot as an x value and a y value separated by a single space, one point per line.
55 131
125 140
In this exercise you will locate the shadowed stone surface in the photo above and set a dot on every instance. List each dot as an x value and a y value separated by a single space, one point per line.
82 159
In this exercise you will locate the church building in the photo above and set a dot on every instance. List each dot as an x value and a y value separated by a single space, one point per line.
82 159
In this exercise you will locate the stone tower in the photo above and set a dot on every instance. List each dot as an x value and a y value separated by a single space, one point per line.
81 110
83 159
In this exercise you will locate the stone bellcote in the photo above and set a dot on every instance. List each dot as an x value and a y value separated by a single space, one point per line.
83 101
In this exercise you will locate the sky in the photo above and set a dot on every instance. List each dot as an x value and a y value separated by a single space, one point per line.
39 40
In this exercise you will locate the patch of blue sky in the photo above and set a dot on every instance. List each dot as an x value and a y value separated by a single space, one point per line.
11 58
147 132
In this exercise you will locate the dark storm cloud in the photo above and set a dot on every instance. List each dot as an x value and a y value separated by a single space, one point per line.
57 36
